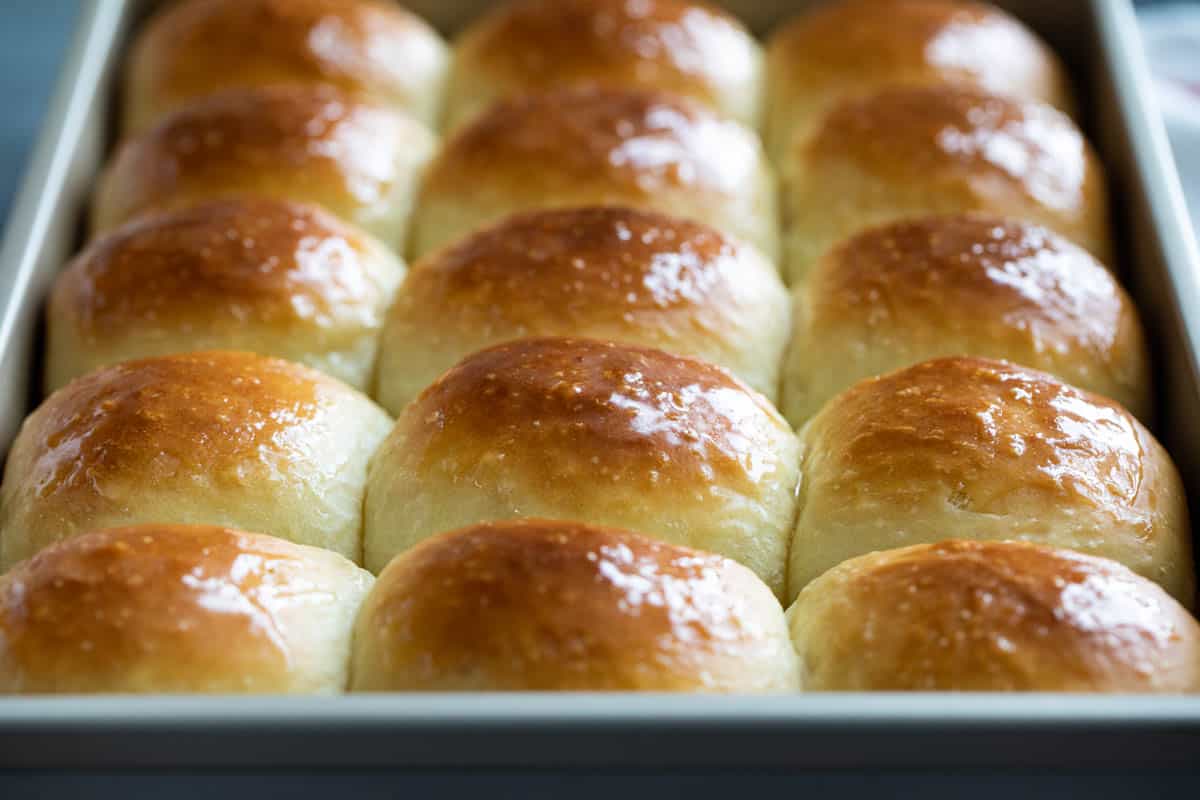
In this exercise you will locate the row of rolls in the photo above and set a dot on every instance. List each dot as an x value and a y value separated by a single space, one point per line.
659 405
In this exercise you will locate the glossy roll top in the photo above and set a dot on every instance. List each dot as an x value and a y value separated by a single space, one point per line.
603 272
217 438
938 286
593 431
988 450
906 152
267 276
536 605
688 48
991 616
178 608
372 49
853 47
598 146
359 160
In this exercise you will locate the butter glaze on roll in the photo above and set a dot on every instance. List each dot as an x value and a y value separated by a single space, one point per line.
605 273
688 48
991 616
538 605
361 161
987 450
905 152
593 431
854 47
372 49
941 286
275 278
598 146
214 438
178 609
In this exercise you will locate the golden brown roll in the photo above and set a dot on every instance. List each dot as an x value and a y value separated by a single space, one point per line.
372 49
987 450
854 47
685 47
539 605
975 285
360 161
597 146
991 617
266 276
602 272
178 608
906 152
212 438
592 431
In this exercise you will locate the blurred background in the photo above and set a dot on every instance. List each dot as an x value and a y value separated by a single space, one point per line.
35 35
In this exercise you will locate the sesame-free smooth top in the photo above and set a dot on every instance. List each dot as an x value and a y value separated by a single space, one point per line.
178 608
688 48
598 146
359 160
541 605
371 49
268 276
592 431
216 438
601 272
979 449
850 48
911 151
991 616
962 285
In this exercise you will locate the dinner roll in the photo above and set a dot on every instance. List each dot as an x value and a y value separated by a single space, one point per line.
267 276
912 151
538 605
938 286
311 144
681 46
991 616
214 438
588 146
178 608
373 49
987 450
604 272
854 47
593 431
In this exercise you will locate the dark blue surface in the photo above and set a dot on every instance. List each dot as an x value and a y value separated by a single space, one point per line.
601 786
34 35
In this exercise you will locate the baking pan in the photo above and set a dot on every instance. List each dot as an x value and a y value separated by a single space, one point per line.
1160 265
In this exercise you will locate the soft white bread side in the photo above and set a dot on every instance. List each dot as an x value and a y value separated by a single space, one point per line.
987 450
213 438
